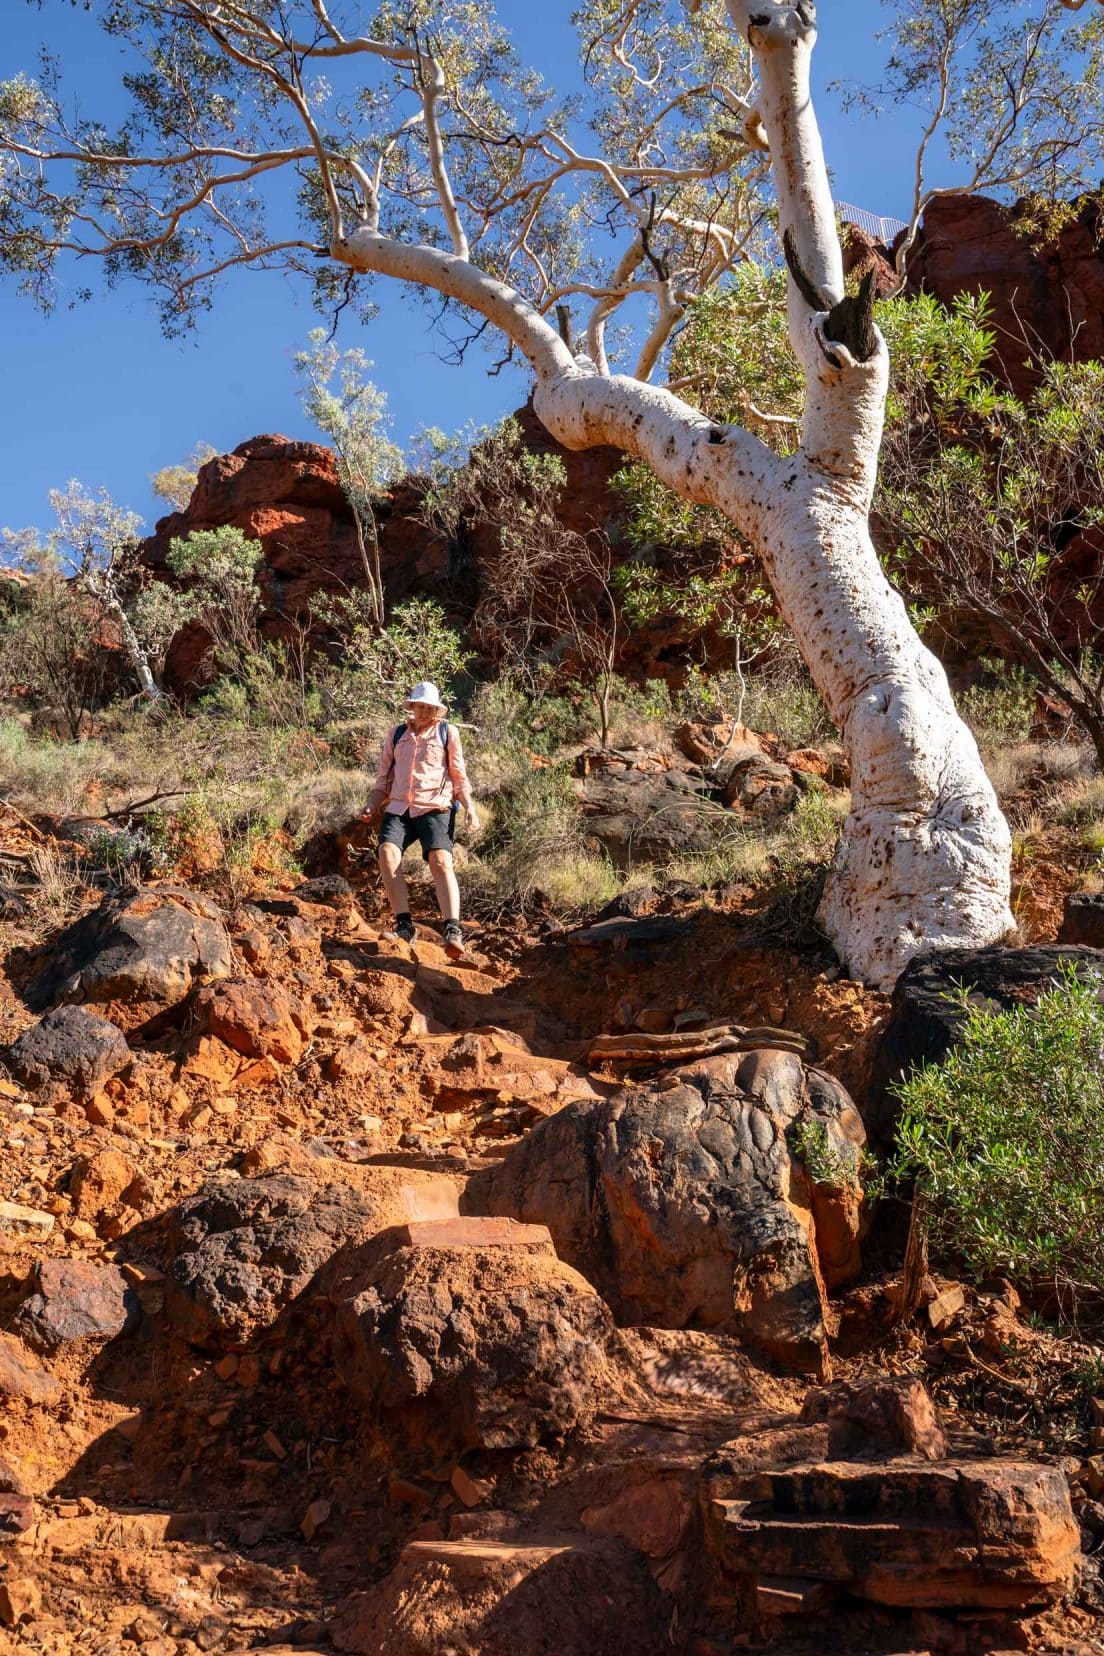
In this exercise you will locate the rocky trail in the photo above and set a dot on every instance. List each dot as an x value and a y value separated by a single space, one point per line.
352 1298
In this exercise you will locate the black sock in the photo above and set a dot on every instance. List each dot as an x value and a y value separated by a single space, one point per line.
399 918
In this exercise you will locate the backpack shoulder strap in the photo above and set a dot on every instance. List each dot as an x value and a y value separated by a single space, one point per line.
444 734
400 732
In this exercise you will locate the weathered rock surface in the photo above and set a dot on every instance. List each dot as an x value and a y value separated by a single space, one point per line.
644 815
22 1375
682 1204
257 1019
926 1019
1083 919
331 890
149 946
243 1249
996 1535
99 1182
70 1045
76 1299
889 1415
480 1338
506 1598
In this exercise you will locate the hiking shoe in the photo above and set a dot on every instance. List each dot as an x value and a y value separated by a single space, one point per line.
454 940
403 929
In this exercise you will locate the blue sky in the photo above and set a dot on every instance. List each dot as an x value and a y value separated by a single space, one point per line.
95 392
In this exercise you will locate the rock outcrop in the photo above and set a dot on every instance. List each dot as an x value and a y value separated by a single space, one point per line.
683 1202
951 1535
1047 300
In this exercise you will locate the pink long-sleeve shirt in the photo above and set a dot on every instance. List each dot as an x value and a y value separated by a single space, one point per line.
415 775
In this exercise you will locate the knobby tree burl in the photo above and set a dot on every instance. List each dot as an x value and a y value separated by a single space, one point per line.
421 150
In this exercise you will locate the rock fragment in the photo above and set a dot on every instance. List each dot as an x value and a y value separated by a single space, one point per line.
76 1300
72 1046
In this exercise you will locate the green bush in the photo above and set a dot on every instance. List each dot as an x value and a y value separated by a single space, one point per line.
1005 1140
1000 714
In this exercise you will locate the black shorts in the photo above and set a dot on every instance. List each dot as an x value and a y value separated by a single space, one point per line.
433 830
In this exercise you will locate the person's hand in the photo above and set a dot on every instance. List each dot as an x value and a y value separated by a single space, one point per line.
475 821
371 815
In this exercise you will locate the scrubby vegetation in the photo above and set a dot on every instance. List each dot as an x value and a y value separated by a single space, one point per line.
1005 1142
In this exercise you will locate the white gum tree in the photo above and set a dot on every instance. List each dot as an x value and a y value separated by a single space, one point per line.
417 147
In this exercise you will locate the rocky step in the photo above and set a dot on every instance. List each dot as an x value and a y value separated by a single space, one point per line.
537 1593
953 1535
481 1559
685 1046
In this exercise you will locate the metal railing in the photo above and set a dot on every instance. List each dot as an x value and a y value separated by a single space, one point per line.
882 229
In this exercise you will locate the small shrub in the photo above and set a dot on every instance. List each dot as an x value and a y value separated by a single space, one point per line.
127 851
811 1143
1005 1140
783 700
1001 714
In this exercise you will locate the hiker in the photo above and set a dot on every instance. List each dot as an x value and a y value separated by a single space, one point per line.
420 785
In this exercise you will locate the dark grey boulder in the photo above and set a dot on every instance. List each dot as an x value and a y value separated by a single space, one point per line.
330 890
70 1045
489 1347
645 816
152 945
243 1249
1083 919
926 1018
76 1300
675 1201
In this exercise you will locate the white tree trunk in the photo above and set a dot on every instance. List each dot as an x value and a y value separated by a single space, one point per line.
924 858
101 589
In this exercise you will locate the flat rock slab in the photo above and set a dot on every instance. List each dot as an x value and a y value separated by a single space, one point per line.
70 1045
151 946
648 930
471 1232
16 1220
955 1535
76 1299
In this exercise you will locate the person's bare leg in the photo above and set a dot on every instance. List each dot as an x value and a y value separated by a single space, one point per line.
390 861
444 881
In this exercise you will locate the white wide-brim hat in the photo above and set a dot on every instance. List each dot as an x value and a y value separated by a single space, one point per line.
425 695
